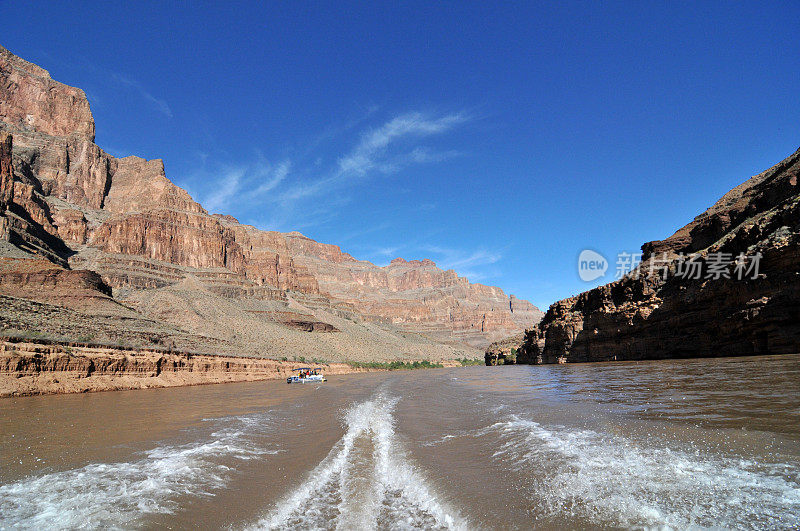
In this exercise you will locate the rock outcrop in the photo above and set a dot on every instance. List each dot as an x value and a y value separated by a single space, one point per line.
504 352
744 300
165 259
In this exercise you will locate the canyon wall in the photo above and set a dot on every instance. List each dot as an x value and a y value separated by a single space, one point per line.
745 300
158 255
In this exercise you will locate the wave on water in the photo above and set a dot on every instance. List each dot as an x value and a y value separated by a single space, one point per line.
365 482
114 495
610 479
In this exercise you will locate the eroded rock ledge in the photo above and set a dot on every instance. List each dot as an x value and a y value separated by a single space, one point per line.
33 368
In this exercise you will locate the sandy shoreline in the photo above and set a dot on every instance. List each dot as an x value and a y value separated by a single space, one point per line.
35 368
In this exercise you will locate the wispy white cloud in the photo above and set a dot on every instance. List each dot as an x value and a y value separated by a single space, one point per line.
363 232
313 215
373 154
371 151
309 188
230 182
226 189
273 177
302 190
387 251
423 155
476 265
160 104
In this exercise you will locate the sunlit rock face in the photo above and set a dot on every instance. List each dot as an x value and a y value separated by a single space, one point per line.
65 199
30 100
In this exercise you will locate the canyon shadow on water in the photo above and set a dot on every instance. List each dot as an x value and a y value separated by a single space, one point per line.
689 443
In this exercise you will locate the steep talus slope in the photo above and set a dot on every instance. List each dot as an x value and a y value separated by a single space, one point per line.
159 256
647 316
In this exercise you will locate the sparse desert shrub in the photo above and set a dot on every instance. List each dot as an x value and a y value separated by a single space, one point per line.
395 365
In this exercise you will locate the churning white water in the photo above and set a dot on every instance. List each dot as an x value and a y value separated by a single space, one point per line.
365 482
688 444
612 478
117 495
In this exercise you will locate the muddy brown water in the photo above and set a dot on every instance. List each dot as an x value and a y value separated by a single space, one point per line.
678 443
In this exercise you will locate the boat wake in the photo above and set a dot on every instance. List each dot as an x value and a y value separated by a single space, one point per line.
114 495
611 479
365 482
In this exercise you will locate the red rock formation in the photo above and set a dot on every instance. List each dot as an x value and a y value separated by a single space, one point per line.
6 172
72 226
25 218
416 295
177 237
648 317
138 185
37 276
31 100
124 219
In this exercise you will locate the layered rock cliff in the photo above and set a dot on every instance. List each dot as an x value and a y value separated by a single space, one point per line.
165 259
726 284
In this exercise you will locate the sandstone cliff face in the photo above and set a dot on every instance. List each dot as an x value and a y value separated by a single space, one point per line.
65 199
31 100
25 217
645 316
71 168
139 185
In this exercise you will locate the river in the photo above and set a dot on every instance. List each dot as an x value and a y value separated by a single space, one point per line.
677 443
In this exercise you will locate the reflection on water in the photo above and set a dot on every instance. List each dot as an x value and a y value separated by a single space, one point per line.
689 443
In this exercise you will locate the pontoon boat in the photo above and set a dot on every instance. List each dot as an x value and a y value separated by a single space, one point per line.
306 375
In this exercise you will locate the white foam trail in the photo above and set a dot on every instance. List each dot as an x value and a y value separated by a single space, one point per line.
116 495
608 478
365 482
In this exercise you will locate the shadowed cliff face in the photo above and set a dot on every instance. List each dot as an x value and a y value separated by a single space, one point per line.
645 316
65 199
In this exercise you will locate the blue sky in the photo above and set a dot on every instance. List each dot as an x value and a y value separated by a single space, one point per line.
498 141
